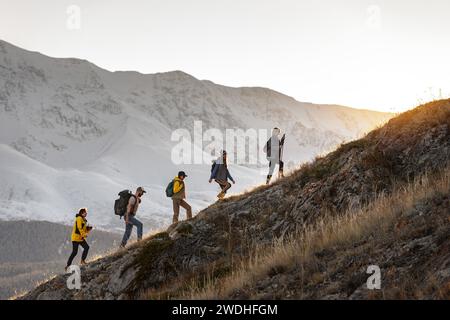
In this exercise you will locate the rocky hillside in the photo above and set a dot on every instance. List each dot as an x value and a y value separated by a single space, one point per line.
191 255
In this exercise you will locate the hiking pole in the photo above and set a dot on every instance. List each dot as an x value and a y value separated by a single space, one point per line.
281 171
282 147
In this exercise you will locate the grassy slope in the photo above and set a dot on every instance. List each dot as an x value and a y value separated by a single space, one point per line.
329 259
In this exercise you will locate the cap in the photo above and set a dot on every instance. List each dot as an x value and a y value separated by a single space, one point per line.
141 189
182 174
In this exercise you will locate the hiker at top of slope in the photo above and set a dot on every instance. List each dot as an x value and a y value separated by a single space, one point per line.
221 174
274 153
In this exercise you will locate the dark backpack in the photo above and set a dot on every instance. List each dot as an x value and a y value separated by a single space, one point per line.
169 189
121 204
269 145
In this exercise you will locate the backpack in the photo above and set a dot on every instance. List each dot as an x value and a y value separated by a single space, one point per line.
121 204
268 148
213 165
169 189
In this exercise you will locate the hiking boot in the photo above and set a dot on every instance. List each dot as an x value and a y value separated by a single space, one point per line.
83 263
280 174
268 179
221 195
66 268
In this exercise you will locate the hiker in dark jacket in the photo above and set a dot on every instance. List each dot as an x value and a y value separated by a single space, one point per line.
80 232
179 196
130 217
221 175
274 153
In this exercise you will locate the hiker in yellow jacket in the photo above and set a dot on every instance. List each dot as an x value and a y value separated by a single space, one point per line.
179 194
80 232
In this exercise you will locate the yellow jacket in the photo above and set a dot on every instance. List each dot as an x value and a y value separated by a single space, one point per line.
79 230
178 189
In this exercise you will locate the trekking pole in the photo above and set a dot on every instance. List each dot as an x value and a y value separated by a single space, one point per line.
282 146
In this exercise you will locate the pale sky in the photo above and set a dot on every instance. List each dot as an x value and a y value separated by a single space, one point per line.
383 55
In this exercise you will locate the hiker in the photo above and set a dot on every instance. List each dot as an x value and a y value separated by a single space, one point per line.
274 153
179 196
79 233
130 217
220 174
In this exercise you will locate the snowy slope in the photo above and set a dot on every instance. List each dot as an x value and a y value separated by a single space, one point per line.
73 134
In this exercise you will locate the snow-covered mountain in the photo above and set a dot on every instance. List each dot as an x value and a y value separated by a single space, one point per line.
73 134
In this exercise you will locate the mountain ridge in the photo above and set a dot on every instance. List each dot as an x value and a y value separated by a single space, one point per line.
181 72
85 122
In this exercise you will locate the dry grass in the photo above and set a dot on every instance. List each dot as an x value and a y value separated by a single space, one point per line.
22 293
18 295
329 232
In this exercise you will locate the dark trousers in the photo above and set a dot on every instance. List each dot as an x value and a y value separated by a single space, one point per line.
272 164
224 185
75 245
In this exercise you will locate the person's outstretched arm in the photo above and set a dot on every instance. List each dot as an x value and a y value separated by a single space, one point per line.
229 176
